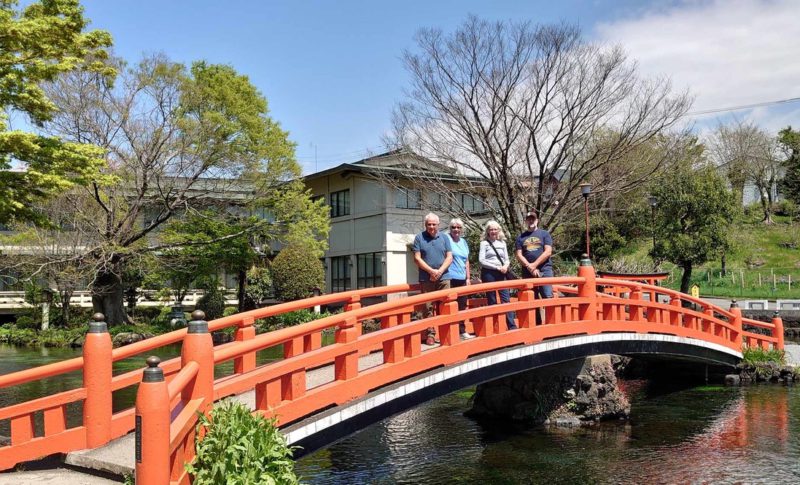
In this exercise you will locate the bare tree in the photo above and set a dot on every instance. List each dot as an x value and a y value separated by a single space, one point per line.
54 255
747 154
523 114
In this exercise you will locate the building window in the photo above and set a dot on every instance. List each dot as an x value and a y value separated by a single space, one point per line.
370 270
472 205
340 273
407 198
340 203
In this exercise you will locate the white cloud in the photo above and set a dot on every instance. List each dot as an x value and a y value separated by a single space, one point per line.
726 52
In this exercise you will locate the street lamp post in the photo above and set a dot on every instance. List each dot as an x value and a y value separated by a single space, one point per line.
586 189
653 203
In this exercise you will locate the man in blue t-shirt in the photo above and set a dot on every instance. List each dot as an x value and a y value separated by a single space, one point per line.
432 255
533 250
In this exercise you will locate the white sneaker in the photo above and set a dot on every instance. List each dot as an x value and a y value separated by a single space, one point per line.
466 336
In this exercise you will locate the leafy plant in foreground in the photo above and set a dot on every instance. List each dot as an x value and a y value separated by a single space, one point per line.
240 448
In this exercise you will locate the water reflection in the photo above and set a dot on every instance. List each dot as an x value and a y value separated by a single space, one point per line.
710 434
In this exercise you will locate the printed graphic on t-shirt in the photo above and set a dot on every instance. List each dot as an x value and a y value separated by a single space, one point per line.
533 243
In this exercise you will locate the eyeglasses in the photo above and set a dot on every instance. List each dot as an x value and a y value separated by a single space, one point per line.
455 227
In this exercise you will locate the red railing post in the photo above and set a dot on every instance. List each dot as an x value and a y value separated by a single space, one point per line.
587 312
737 325
448 332
635 305
527 316
675 314
198 347
346 366
152 427
778 330
245 331
97 365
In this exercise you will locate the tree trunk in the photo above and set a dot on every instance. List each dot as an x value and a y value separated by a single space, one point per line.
108 297
724 263
66 297
241 293
686 278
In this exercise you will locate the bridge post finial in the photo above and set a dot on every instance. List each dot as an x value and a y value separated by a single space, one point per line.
777 331
97 369
198 347
737 324
152 425
587 289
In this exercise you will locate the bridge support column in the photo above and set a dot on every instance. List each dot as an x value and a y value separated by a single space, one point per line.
97 365
676 313
198 347
152 427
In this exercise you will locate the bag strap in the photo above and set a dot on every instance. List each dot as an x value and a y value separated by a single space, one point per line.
491 243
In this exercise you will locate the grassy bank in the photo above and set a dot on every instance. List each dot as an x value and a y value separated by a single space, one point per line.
764 263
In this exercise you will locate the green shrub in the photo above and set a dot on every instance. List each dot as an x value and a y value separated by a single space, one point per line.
755 355
25 321
212 303
289 319
259 287
785 208
295 274
241 448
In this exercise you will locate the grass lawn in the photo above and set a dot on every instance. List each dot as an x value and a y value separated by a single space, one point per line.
764 263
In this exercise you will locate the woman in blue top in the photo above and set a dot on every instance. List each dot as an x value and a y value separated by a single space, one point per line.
459 267
495 264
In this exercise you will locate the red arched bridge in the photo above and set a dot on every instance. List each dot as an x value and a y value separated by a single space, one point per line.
319 393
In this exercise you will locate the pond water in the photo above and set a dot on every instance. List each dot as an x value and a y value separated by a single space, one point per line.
700 435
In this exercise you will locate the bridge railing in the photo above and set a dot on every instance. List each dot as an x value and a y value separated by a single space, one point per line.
39 427
282 390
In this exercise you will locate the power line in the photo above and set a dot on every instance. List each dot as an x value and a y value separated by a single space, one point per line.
744 106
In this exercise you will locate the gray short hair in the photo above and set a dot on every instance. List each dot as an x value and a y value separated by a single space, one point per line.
430 217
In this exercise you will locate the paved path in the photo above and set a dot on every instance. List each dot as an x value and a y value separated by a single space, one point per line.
58 476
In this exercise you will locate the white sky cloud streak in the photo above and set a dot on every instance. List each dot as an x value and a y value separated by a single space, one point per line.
726 52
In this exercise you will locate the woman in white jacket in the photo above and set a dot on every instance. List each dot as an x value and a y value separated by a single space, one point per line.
495 264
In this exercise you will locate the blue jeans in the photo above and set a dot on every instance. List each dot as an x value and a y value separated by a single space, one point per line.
488 276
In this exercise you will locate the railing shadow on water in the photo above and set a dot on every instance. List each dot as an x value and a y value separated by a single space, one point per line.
281 387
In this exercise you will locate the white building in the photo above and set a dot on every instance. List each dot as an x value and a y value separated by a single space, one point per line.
373 226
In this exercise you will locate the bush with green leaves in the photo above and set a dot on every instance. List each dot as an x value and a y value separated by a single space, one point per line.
295 273
259 287
240 448
288 319
212 303
757 355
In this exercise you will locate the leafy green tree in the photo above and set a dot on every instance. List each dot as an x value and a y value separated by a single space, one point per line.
296 272
789 140
179 141
37 44
695 209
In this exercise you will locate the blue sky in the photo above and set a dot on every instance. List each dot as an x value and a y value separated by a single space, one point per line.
332 72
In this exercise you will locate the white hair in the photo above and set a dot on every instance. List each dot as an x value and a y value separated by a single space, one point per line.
493 225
